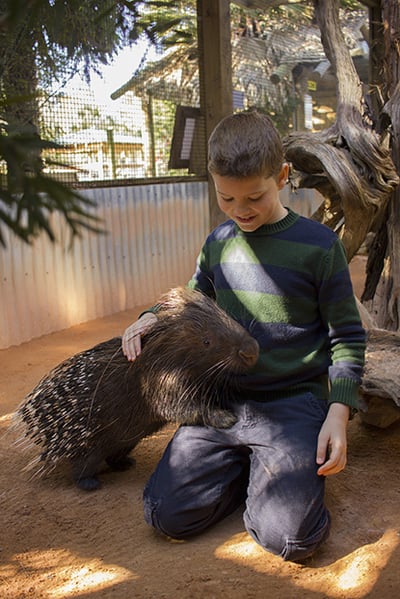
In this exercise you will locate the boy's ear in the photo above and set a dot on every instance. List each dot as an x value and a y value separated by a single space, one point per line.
283 176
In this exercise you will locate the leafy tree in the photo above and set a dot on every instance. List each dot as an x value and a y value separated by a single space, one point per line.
48 39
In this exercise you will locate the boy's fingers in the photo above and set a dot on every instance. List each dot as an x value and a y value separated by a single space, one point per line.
336 463
322 450
131 339
131 346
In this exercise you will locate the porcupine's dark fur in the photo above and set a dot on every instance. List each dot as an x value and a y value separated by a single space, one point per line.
97 405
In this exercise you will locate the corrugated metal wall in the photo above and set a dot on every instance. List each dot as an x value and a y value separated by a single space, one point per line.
154 235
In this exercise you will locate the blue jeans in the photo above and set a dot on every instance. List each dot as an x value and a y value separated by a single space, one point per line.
267 459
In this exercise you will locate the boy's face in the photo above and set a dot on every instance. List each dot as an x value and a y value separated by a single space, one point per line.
252 201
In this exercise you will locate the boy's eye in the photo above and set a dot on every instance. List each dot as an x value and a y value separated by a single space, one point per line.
255 199
226 199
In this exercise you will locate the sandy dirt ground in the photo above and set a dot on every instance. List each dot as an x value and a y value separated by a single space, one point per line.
59 542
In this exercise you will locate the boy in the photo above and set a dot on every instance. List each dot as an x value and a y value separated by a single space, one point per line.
285 278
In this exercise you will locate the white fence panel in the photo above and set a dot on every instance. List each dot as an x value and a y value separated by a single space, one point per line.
154 235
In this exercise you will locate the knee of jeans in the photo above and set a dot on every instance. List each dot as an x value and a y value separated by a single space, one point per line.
296 550
274 544
290 548
157 515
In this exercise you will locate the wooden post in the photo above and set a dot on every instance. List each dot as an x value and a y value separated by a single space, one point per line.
111 145
150 120
215 73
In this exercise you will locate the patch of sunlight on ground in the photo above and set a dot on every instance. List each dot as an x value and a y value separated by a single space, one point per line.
241 545
95 575
60 580
355 574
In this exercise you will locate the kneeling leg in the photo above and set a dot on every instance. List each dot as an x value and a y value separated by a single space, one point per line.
199 480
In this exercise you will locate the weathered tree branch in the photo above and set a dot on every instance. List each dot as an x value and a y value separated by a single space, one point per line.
349 163
380 388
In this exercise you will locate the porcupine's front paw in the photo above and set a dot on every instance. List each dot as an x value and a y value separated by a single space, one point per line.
88 483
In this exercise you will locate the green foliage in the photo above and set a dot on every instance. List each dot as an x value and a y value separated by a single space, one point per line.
167 24
28 197
353 5
51 40
69 30
47 38
259 23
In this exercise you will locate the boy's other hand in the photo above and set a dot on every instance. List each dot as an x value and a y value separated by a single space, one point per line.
332 440
131 343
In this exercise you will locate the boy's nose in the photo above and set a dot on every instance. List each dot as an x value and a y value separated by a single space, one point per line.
242 204
242 208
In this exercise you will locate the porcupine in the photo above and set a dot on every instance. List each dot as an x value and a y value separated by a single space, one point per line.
96 406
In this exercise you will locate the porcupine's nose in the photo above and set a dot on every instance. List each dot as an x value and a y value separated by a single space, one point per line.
249 354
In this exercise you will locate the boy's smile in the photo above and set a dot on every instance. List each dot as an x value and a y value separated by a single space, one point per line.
251 201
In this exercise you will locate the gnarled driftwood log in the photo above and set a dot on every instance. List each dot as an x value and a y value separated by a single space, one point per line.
349 163
380 389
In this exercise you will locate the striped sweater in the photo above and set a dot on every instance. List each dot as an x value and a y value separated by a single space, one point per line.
288 283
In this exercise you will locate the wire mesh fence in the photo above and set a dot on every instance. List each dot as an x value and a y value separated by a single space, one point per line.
128 138
150 126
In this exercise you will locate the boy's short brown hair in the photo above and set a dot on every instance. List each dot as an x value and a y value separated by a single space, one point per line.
245 144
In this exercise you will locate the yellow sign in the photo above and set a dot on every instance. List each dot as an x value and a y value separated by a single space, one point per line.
312 85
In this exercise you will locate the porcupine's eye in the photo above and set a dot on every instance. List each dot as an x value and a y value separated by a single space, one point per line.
206 342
